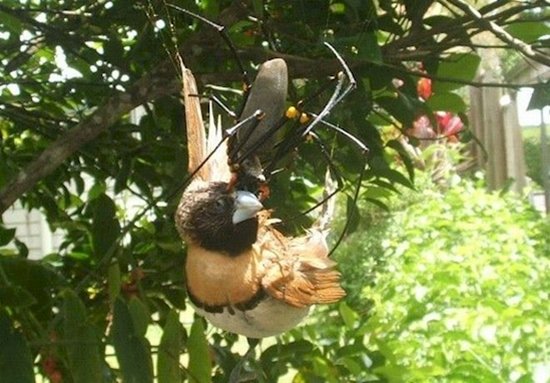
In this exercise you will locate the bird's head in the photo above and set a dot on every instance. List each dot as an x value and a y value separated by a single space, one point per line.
219 219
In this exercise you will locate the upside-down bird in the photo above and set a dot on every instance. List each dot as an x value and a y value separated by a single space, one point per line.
242 274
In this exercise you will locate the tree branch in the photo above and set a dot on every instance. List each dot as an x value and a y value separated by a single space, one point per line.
300 67
160 82
500 33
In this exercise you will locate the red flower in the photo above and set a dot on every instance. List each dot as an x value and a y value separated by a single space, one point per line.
424 88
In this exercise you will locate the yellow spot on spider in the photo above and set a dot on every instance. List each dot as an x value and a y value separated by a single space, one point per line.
292 113
304 118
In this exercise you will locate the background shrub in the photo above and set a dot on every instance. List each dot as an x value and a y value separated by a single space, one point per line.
457 289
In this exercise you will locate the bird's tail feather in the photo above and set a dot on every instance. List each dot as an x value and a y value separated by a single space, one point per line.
217 145
199 145
327 208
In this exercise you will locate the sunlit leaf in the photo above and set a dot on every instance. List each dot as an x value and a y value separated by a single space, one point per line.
140 316
348 315
200 365
447 101
458 66
168 364
528 31
132 349
82 344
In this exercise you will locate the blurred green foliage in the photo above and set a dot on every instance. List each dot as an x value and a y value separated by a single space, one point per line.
455 287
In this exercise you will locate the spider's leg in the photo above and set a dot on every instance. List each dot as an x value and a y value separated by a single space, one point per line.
354 201
221 30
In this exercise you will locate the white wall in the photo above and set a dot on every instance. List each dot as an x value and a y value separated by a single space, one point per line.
32 229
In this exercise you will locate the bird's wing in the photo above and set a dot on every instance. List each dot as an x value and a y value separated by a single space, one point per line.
297 270
199 146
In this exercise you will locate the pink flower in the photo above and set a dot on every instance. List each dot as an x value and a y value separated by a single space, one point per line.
448 124
422 128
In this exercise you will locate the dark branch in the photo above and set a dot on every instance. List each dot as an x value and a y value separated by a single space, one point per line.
159 83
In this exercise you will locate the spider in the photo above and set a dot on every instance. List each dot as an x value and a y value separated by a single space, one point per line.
259 123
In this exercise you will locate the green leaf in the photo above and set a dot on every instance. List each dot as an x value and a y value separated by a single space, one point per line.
105 225
78 255
338 8
393 373
113 282
140 315
354 367
114 50
123 174
168 366
15 357
438 20
389 24
97 190
258 7
200 365
286 353
446 101
36 278
378 203
401 106
348 315
405 156
352 215
132 351
364 45
540 97
460 67
15 296
12 24
369 48
528 31
395 176
22 248
82 344
472 372
6 235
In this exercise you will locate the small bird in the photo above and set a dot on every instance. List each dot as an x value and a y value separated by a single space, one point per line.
242 274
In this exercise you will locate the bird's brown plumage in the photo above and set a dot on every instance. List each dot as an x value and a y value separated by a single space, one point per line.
266 265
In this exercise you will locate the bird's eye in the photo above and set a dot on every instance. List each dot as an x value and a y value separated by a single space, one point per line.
220 203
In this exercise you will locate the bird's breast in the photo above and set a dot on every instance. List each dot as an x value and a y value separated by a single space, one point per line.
269 318
215 279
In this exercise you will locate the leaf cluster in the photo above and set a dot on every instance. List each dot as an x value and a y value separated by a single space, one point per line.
456 290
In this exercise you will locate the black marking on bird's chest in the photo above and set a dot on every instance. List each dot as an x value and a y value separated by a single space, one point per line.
250 304
232 240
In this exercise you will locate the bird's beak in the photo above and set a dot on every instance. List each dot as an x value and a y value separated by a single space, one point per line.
246 206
